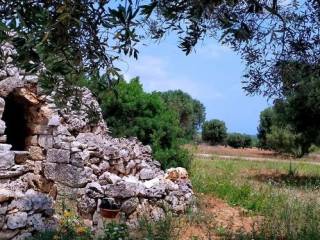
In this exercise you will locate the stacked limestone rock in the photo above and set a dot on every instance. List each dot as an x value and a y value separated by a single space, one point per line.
88 165
70 156
24 209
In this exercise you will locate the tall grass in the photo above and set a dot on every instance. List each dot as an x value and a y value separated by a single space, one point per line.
163 229
284 216
294 221
222 182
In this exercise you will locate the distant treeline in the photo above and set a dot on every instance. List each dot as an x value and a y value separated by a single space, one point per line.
214 132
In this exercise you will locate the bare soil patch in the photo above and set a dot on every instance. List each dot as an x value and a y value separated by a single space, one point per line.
231 218
220 216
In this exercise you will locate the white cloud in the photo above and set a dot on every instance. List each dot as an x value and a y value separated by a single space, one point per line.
214 50
155 75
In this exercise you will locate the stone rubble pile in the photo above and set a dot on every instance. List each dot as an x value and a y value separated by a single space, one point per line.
67 155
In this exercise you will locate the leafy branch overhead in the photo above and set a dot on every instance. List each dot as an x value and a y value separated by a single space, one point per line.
72 38
87 37
265 33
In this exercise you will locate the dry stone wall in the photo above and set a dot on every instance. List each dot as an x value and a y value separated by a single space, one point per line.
66 156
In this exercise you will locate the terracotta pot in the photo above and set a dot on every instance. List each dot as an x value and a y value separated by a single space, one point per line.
109 213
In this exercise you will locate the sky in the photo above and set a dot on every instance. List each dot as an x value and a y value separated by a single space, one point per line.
211 74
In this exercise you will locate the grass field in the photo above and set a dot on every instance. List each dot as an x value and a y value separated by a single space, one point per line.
278 199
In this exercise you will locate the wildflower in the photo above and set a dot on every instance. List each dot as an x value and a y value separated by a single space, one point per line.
81 230
55 237
67 213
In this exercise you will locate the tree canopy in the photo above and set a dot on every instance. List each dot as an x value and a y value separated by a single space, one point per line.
279 41
265 33
191 112
85 37
214 132
131 112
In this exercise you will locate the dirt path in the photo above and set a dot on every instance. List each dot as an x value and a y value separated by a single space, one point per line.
229 151
255 159
217 216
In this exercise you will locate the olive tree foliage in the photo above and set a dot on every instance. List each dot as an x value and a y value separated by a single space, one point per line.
267 119
264 32
278 134
72 39
214 132
191 112
298 112
284 140
76 38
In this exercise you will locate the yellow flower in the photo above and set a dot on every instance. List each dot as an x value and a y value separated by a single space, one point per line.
55 237
80 230
67 213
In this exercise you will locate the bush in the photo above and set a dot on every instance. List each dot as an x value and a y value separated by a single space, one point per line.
173 157
267 120
115 231
214 132
284 141
314 149
238 140
162 229
70 228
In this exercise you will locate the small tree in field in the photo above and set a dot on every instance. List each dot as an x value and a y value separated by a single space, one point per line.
214 132
284 140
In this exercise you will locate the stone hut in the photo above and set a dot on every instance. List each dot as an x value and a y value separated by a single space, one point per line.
49 154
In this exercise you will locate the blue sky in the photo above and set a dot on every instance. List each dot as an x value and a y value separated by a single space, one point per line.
212 74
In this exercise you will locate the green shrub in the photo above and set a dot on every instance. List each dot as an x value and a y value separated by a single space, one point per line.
314 148
173 157
238 140
47 235
115 231
162 229
214 132
267 120
284 141
70 228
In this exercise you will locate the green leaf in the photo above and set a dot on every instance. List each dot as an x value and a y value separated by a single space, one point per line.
3 27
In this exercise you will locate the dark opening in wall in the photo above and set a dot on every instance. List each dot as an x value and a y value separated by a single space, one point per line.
15 119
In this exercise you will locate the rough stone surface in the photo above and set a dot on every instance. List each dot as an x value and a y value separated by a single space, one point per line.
7 160
70 157
17 220
146 174
36 153
58 156
45 141
67 174
6 195
129 206
2 127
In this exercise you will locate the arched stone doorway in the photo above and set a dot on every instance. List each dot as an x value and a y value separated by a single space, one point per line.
21 116
15 117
